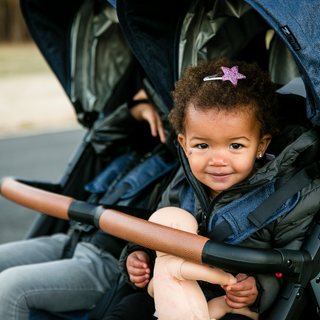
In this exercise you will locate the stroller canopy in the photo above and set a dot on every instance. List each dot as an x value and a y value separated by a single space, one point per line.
156 33
83 43
166 38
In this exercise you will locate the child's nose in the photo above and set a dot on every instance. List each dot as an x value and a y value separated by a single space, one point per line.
218 159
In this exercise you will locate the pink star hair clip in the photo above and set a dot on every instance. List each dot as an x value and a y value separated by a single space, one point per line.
228 74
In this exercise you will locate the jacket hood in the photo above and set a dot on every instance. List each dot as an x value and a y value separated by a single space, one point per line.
297 154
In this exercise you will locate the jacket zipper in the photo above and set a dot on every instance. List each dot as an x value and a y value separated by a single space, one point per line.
206 215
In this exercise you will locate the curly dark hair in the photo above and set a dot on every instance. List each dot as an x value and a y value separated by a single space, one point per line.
256 92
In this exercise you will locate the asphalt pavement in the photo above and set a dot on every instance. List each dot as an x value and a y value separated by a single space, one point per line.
38 130
42 157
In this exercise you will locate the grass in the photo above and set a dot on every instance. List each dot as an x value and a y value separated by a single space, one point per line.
21 58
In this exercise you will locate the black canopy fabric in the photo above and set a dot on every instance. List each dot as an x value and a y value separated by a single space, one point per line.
151 30
49 24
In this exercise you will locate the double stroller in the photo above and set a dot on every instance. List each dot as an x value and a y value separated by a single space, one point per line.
104 52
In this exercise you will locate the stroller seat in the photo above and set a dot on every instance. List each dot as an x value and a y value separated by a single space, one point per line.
109 55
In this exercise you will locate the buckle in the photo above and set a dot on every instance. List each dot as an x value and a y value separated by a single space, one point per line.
82 227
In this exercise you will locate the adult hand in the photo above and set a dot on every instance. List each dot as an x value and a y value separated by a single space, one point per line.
145 111
138 268
243 293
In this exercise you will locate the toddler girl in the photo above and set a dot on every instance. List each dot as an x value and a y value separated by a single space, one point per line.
225 115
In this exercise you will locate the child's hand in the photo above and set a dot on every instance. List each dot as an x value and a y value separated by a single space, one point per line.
146 112
243 293
138 268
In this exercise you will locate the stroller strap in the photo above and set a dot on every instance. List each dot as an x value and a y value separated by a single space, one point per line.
139 179
278 198
284 189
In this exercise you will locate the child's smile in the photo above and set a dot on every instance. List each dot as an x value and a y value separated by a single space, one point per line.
222 146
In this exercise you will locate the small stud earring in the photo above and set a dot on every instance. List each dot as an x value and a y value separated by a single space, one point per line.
260 155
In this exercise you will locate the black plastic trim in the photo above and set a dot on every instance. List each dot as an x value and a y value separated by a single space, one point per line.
84 212
248 260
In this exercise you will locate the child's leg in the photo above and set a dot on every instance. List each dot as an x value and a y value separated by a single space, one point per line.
41 249
218 308
62 285
246 312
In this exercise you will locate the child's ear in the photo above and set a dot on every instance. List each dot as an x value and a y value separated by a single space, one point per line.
263 145
182 141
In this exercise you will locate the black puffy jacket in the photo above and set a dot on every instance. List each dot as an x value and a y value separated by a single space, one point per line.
296 146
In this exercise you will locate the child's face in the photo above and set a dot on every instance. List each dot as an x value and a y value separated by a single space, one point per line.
222 146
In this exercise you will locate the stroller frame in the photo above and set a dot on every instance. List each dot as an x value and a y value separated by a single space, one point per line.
300 268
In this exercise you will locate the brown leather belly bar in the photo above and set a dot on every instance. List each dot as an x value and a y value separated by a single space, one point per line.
139 231
148 234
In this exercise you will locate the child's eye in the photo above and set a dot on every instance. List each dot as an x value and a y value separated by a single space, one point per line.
236 146
202 146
